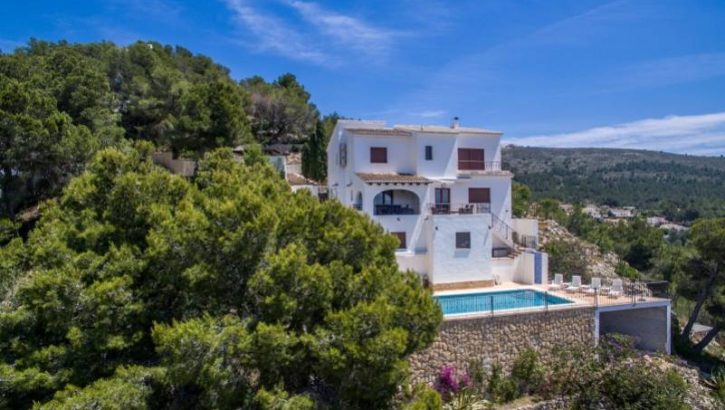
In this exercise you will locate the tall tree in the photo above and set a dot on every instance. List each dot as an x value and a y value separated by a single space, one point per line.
147 290
281 111
39 146
212 116
314 154
707 274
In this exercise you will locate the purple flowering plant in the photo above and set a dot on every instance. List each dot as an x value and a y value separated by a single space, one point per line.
449 382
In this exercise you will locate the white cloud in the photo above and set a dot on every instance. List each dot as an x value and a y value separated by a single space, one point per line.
346 30
688 134
274 35
310 33
672 70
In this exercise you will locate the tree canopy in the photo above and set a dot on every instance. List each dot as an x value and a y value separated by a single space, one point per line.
61 102
140 289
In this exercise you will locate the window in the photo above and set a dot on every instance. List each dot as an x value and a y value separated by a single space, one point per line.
463 240
443 196
343 155
384 198
428 152
479 195
471 159
378 155
401 239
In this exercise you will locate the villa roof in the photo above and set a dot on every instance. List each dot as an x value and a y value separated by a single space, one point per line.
392 178
439 129
403 130
380 131
296 179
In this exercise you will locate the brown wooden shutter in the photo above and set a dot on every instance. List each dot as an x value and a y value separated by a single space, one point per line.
479 195
401 238
378 155
462 158
471 159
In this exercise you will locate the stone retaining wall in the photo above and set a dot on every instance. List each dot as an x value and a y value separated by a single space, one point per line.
499 339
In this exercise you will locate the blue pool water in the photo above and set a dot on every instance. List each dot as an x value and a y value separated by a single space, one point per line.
503 300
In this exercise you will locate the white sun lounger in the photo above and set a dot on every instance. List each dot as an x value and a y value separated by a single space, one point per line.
617 289
576 284
594 287
558 282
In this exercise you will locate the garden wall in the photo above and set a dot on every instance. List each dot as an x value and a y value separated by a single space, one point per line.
499 339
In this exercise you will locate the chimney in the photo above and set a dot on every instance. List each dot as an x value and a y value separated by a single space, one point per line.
456 122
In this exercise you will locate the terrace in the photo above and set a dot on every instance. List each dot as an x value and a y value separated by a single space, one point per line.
634 294
641 310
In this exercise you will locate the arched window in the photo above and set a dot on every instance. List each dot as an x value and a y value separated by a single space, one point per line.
396 202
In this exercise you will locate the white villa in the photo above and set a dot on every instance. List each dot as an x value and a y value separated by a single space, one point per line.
443 193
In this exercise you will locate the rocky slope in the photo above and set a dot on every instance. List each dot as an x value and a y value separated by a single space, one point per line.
598 264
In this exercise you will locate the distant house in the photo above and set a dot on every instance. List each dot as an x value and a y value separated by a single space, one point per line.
656 220
567 208
593 211
442 192
674 227
623 212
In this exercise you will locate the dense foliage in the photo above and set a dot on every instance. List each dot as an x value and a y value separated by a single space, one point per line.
691 262
61 102
681 187
140 289
609 376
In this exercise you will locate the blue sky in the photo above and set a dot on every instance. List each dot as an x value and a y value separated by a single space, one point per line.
630 74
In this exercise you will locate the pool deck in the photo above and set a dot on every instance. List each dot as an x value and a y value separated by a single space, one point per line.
579 300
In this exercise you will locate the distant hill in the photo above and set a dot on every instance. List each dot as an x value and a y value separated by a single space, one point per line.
681 186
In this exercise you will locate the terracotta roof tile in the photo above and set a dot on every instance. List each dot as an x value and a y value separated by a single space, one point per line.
394 178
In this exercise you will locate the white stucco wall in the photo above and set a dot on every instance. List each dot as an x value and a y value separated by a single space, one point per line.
448 264
430 239
401 155
445 152
526 226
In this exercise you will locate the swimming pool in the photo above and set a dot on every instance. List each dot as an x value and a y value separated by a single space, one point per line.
496 301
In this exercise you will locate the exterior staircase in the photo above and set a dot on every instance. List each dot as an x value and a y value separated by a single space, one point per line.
515 242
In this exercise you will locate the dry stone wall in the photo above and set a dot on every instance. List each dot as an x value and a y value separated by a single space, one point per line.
499 339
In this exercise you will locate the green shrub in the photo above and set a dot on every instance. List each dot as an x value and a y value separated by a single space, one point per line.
527 371
635 385
505 391
422 397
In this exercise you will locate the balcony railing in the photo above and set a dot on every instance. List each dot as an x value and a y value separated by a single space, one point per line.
459 208
479 166
392 209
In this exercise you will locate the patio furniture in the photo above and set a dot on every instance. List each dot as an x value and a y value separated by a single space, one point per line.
617 289
558 282
576 284
594 287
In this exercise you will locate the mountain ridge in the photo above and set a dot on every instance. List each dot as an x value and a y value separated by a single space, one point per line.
655 181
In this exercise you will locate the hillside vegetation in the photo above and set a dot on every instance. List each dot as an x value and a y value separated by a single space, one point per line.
62 102
683 187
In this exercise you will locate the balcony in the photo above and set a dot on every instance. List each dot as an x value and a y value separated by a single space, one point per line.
394 210
396 202
459 208
481 167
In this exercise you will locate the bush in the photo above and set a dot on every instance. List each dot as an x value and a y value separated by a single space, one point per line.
567 258
527 371
423 398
